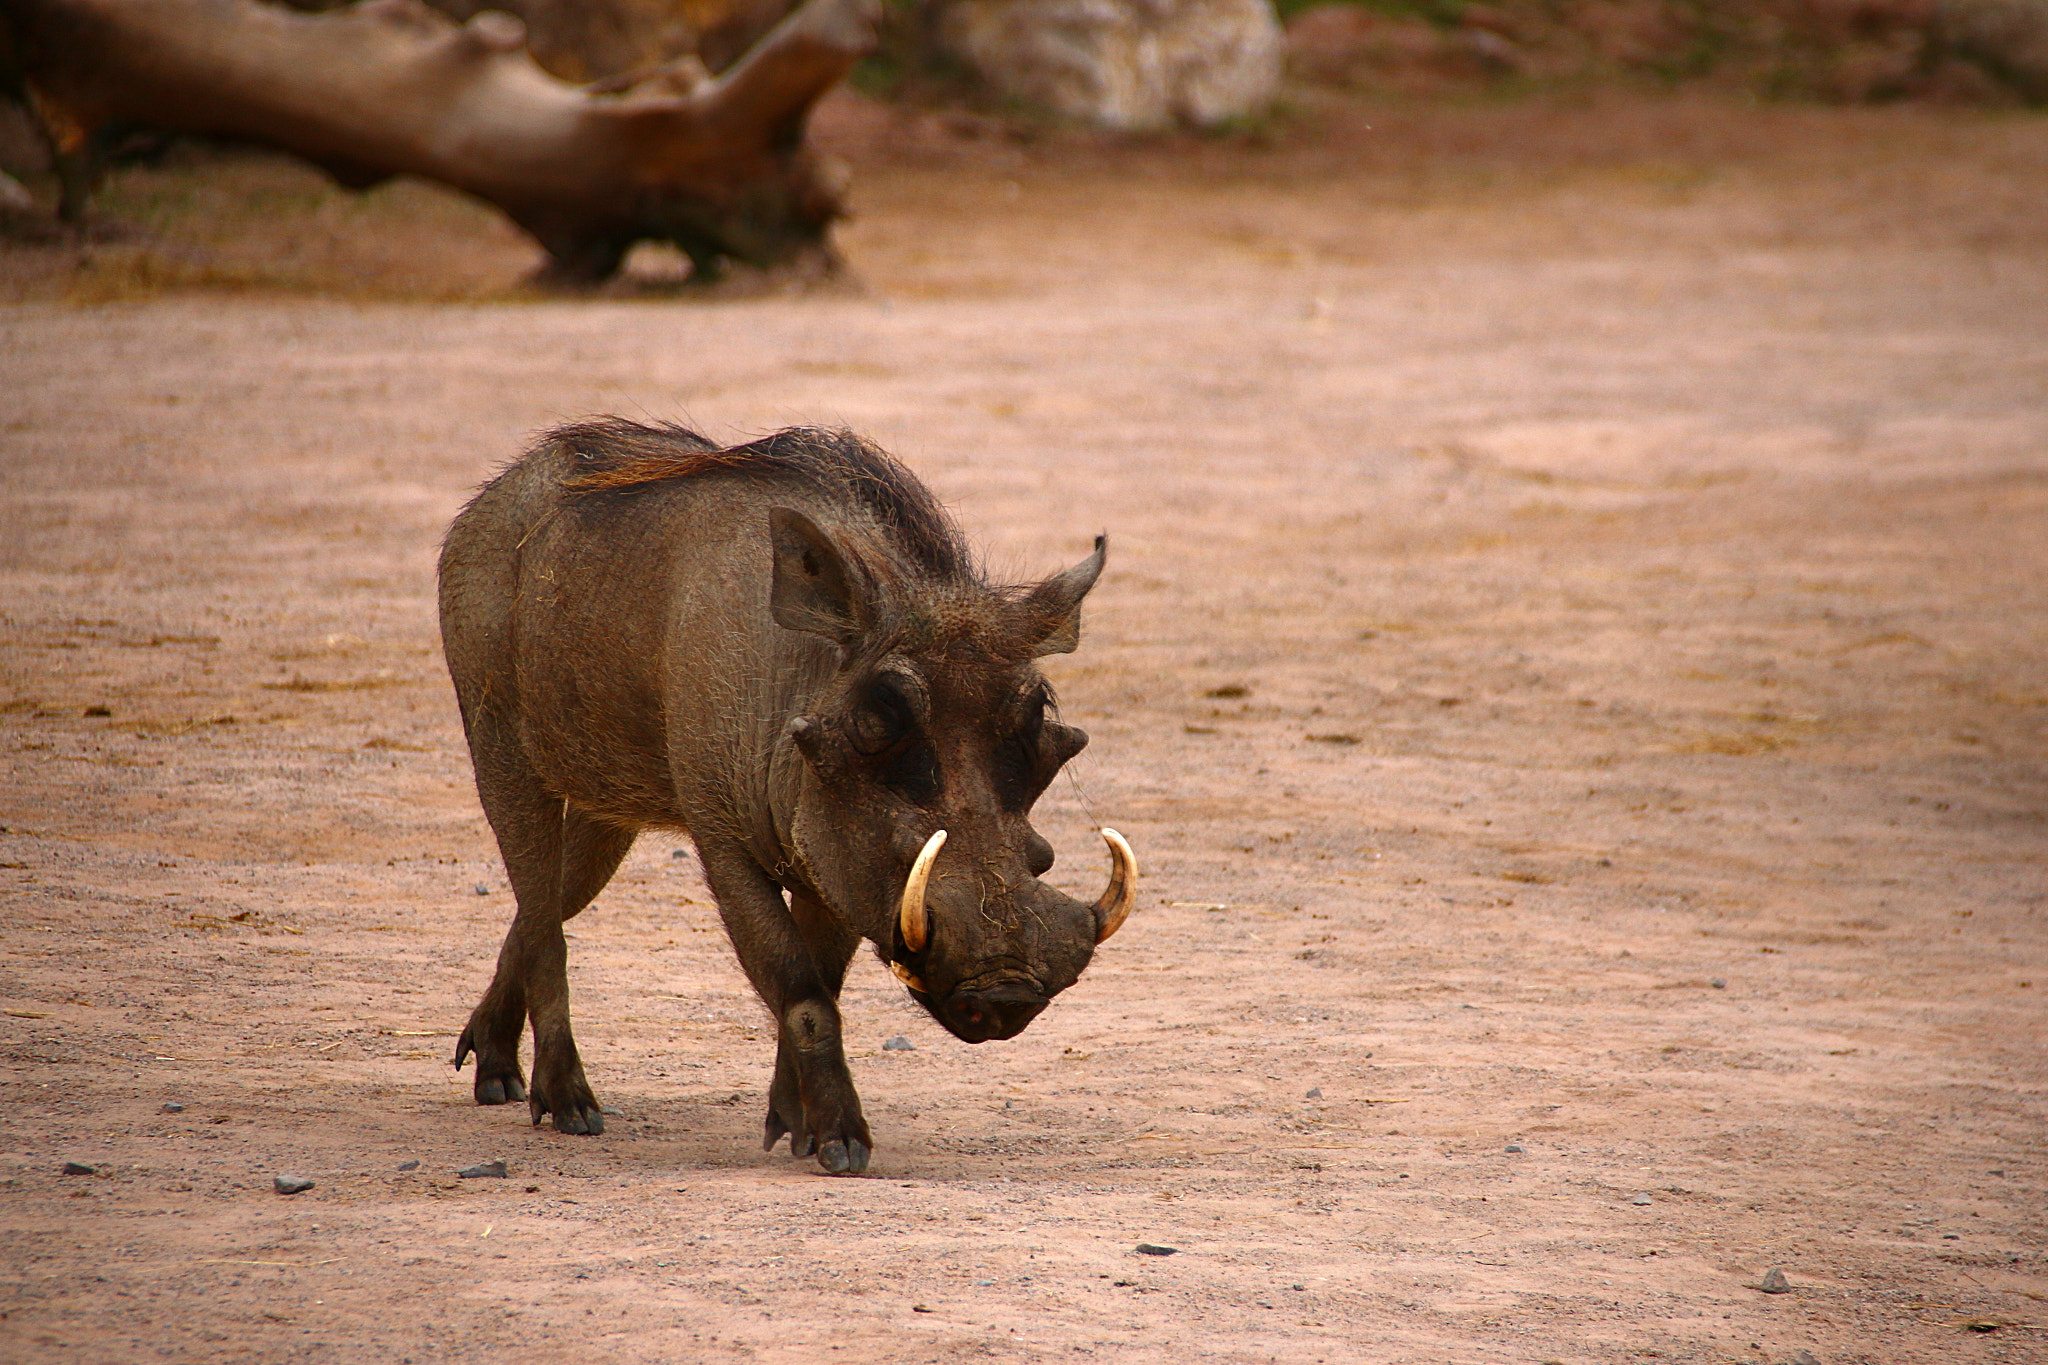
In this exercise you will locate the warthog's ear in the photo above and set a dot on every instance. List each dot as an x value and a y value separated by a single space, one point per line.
1052 610
815 589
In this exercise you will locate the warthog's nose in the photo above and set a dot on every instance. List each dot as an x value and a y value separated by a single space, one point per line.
1002 1012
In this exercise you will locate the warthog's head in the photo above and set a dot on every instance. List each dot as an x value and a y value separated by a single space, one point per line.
923 755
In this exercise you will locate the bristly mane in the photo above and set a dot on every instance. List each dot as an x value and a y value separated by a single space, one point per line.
614 455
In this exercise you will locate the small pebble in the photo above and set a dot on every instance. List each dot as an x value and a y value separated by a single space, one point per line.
1640 1200
1804 1358
1774 1282
1517 1148
899 1044
79 1168
983 1284
482 890
292 1184
679 853
610 1112
408 1165
172 1107
1315 1092
486 1170
1719 983
1148 1249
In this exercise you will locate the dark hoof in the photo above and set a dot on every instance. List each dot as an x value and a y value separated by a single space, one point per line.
584 1122
499 1089
844 1158
495 1083
580 1116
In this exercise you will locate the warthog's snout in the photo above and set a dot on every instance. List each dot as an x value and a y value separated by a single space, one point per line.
1000 1012
998 1001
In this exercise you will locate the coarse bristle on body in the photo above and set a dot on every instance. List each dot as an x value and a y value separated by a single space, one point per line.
613 455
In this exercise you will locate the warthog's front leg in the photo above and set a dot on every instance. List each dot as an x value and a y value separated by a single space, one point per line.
796 955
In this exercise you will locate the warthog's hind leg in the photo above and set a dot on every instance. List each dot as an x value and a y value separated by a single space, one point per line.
558 859
493 1033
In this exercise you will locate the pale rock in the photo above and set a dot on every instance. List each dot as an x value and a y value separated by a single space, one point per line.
1124 65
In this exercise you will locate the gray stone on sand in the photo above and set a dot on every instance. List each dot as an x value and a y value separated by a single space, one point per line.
292 1184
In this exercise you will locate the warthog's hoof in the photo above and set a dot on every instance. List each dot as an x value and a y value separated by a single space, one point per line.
842 1154
844 1158
498 1080
586 1120
500 1089
566 1095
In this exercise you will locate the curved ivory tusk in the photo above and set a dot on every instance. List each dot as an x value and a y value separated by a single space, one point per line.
907 977
910 912
1115 906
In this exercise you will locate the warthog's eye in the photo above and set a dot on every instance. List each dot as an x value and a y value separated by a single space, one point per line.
1022 764
1034 716
883 727
881 720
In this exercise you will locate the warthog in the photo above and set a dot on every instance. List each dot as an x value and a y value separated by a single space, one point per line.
784 649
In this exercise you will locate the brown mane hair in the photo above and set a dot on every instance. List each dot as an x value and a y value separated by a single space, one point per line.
614 455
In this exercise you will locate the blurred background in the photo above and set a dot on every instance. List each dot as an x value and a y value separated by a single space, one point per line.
937 96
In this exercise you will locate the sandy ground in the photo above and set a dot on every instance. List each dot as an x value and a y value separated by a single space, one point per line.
1574 664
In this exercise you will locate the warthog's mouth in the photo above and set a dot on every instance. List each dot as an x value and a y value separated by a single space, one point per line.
1000 1001
997 1011
995 1004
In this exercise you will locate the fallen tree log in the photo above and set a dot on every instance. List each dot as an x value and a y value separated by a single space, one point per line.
718 166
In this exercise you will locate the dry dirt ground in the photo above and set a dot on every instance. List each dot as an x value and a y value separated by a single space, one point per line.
1574 663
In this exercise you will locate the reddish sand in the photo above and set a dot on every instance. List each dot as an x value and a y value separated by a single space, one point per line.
1574 665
